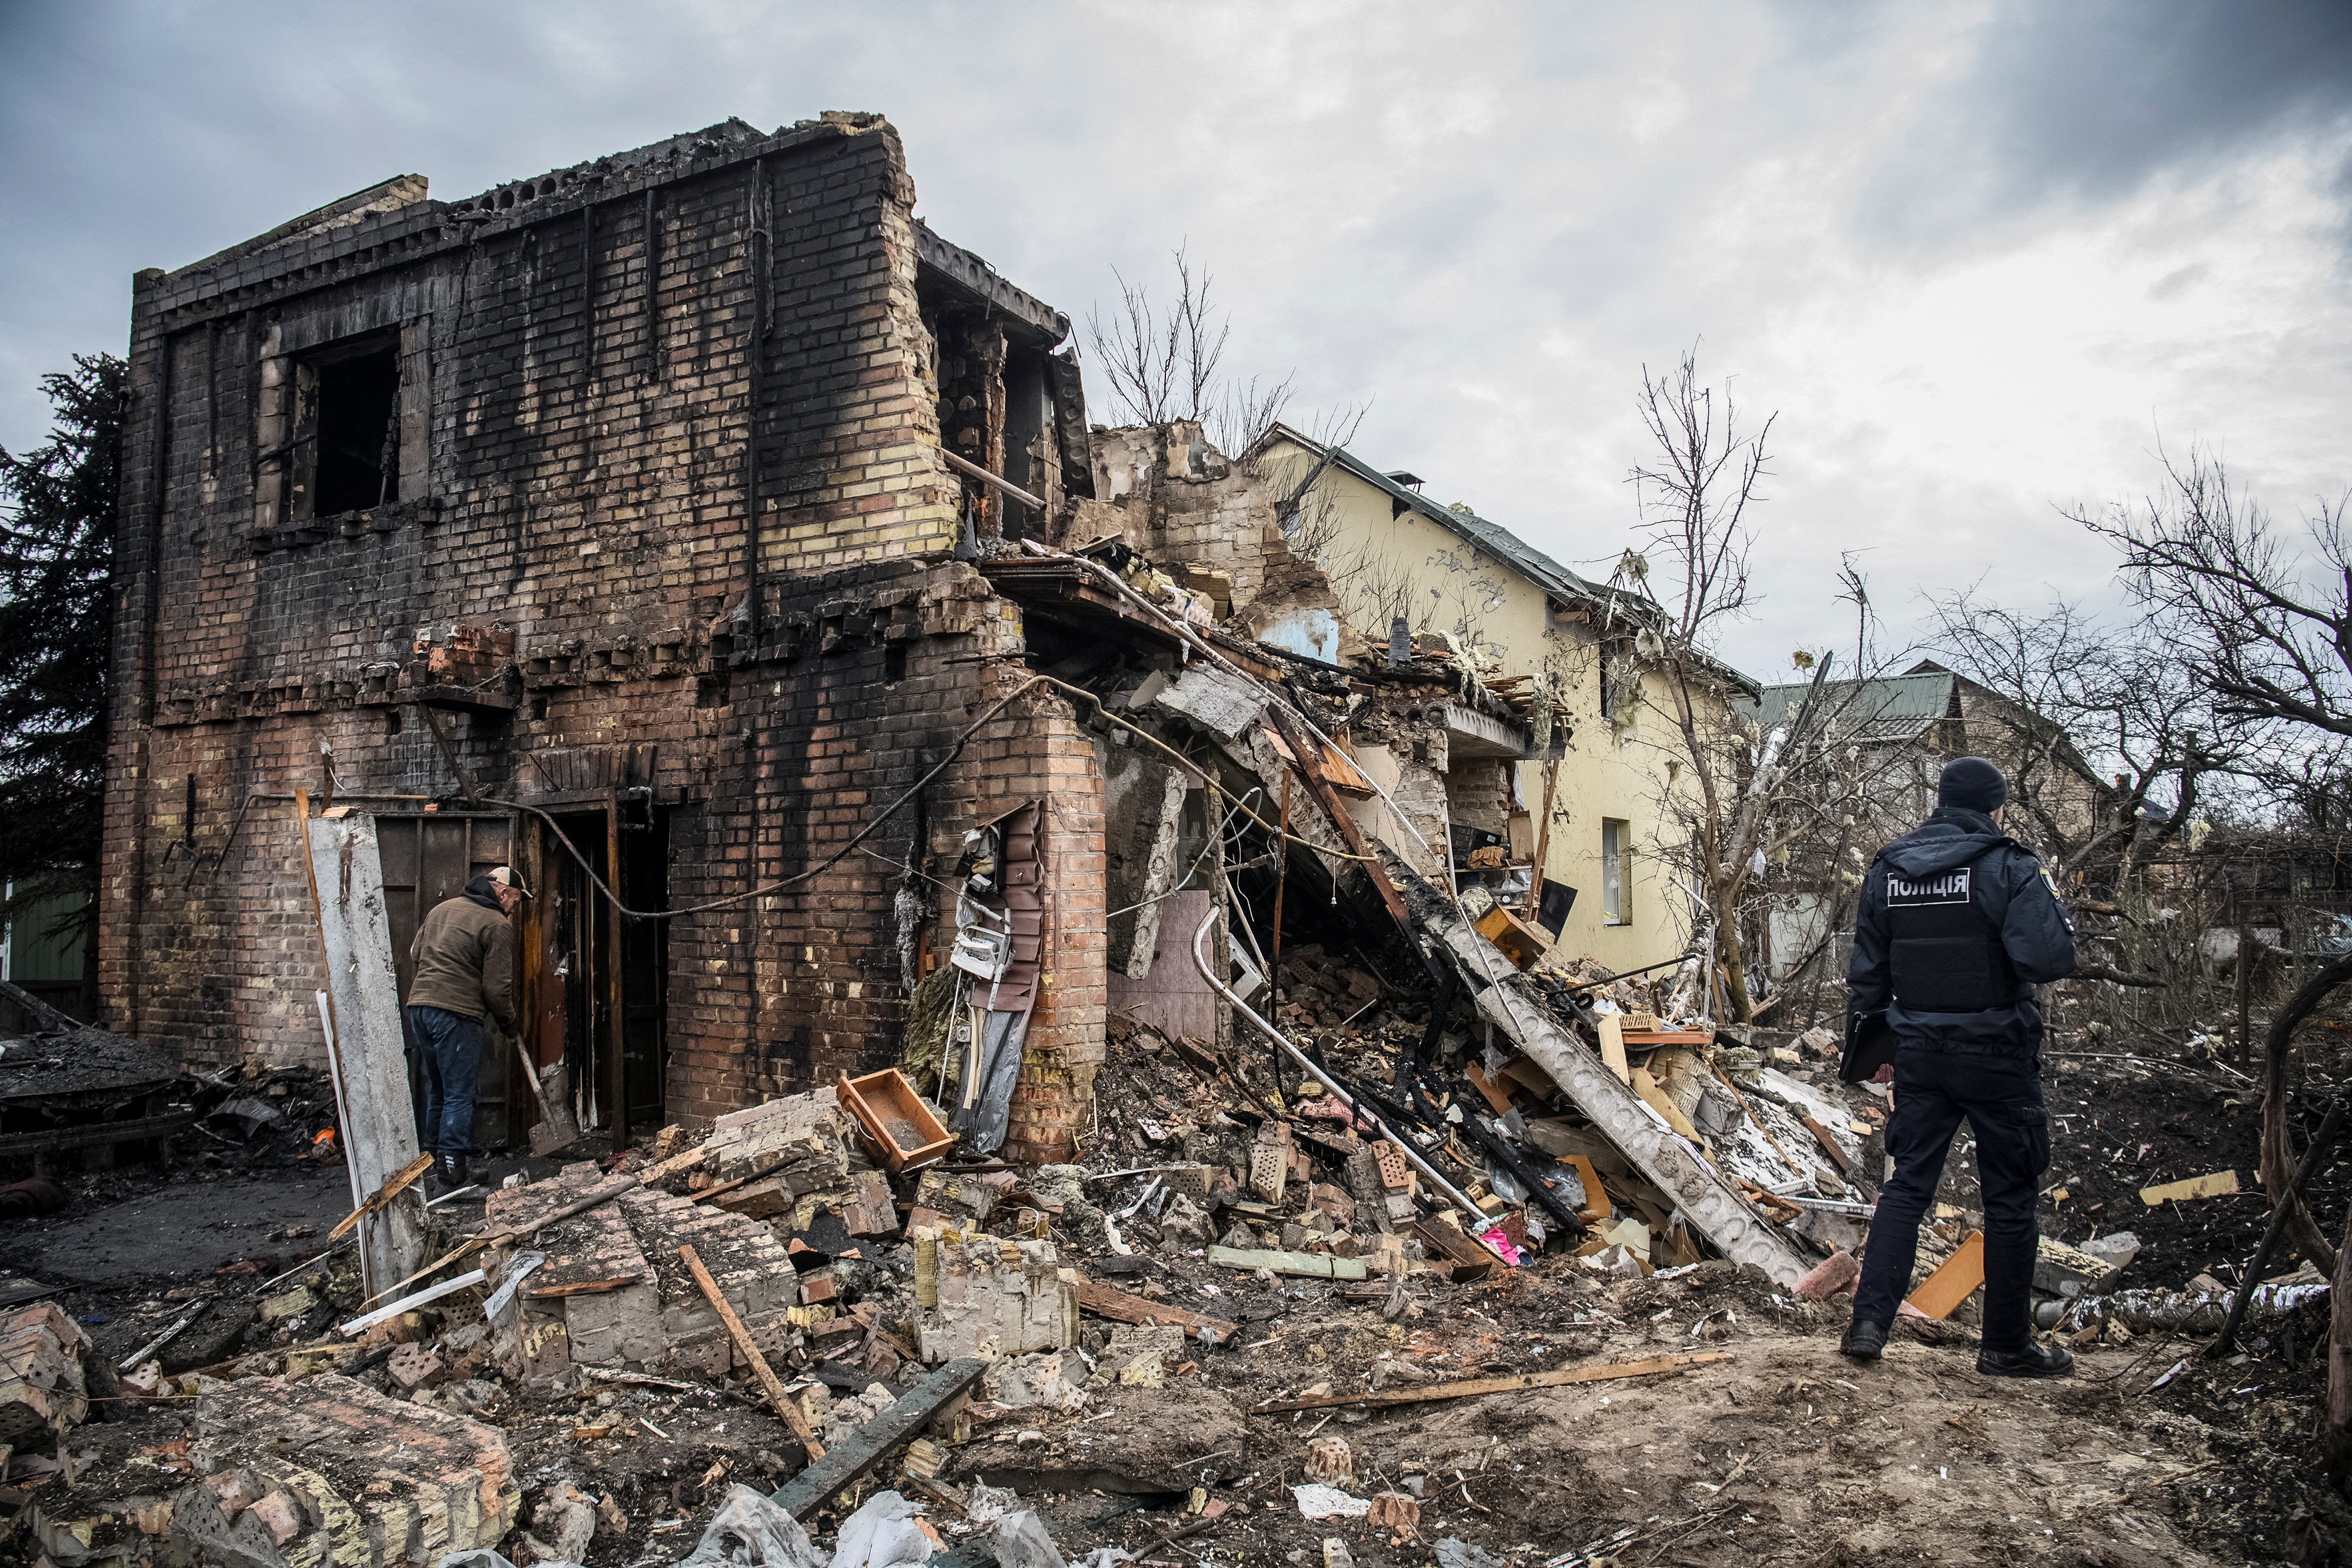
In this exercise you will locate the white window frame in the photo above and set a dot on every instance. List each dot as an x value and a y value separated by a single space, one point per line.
1616 848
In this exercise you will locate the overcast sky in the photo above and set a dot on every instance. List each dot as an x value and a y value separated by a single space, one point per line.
1978 258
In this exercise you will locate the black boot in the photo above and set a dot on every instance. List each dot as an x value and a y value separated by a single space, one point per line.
2033 1361
1863 1340
452 1168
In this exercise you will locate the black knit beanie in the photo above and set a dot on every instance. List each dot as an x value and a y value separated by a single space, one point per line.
1972 784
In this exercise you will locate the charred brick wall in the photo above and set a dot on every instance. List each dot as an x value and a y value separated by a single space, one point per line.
607 377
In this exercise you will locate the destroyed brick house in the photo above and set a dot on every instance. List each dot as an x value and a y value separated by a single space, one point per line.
620 503
657 525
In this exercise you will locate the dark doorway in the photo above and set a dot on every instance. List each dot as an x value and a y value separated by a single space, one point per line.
425 859
645 966
603 984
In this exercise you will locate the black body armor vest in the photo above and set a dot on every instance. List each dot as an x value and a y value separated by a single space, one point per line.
1947 958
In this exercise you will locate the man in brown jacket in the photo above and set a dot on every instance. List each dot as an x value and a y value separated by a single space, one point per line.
465 972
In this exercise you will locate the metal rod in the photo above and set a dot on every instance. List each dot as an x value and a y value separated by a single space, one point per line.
161 1340
1404 1147
985 478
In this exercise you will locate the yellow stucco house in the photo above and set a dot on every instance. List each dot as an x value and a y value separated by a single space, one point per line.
1394 555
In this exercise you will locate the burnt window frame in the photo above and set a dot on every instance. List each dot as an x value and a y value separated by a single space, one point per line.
302 481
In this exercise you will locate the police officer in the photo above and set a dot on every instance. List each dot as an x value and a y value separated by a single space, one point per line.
1959 923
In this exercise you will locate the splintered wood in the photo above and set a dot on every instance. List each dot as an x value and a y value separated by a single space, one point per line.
779 1401
1108 1301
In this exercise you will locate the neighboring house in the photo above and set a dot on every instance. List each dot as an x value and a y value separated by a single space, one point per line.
1907 726
1928 714
1393 556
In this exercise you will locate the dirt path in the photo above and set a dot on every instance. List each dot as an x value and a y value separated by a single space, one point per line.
1788 1453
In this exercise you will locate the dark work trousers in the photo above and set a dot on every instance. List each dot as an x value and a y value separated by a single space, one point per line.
449 1052
2001 1100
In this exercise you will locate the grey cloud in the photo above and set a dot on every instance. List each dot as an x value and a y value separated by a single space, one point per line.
2084 102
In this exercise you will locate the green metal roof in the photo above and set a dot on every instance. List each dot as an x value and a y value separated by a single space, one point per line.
1888 707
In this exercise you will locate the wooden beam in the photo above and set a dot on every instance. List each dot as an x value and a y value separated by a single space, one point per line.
826 1477
1310 764
1108 1301
397 1183
777 1400
1308 1265
1829 1145
1472 1387
89 1134
1954 1281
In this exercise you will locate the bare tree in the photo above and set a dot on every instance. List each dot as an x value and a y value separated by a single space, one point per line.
1692 497
2267 630
2068 681
2269 627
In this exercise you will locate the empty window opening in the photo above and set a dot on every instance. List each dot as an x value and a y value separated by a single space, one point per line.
1616 850
348 429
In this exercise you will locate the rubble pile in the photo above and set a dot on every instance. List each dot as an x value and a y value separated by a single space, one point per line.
1433 1241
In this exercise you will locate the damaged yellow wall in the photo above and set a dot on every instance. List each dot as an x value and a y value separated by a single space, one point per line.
1383 560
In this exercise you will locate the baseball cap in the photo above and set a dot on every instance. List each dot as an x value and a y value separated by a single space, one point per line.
506 877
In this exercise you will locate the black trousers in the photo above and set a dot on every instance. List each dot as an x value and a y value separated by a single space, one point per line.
2001 1102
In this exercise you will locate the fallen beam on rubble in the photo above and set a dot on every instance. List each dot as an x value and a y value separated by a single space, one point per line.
1471 1388
786 1411
826 1477
431 1294
1714 1205
1108 1301
1307 1265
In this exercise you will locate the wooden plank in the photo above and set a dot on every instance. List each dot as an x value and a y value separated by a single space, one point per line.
1307 1265
1656 1099
1470 1260
1108 1301
1471 1388
382 1195
587 1287
1829 1145
1496 1093
1310 763
2221 1184
1596 1196
378 1120
1644 1039
1953 1282
777 1400
443 1262
1612 1047
826 1477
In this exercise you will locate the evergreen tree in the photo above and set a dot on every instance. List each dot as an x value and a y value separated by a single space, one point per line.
56 615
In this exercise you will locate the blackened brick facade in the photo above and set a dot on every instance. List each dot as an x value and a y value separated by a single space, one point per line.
659 537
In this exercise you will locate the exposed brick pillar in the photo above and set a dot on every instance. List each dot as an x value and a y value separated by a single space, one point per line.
1052 1104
